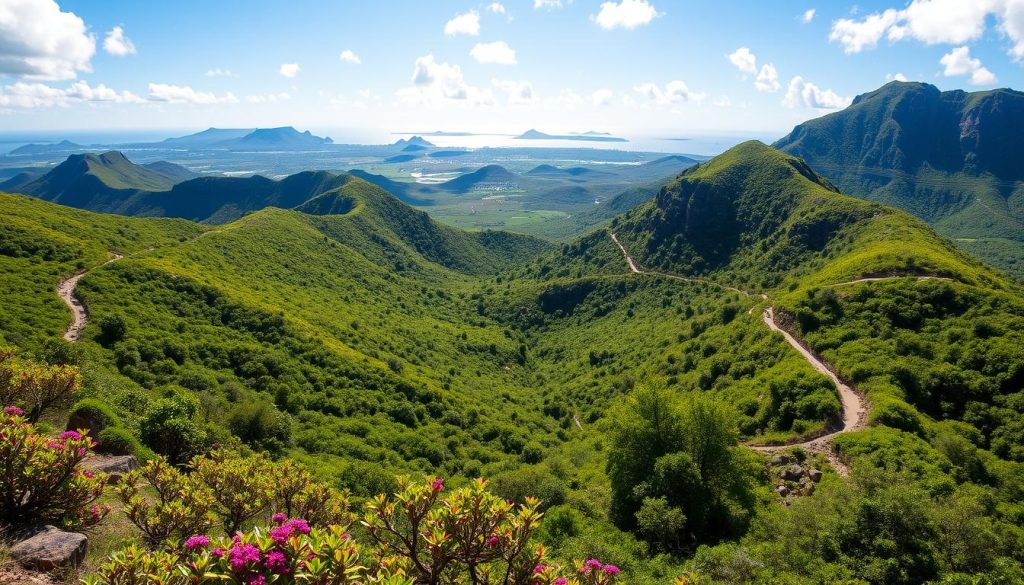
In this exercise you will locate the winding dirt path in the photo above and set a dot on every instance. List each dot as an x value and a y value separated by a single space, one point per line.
853 404
66 290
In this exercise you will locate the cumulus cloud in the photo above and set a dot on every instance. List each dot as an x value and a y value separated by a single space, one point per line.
289 70
349 57
602 97
959 62
435 82
218 72
674 92
549 4
270 98
519 92
768 79
804 94
744 60
808 16
498 53
38 41
895 77
627 14
496 7
117 44
932 22
183 94
463 24
39 95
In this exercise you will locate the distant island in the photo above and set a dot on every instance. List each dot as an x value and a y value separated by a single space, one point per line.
585 137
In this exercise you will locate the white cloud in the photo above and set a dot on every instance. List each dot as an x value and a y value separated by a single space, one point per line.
519 92
218 72
183 94
38 41
602 97
744 60
496 7
953 22
549 4
895 77
39 95
808 16
855 36
435 82
289 70
628 14
768 79
463 24
270 98
959 62
673 92
804 94
117 44
349 57
722 101
497 52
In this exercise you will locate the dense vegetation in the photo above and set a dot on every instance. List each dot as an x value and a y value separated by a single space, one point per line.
371 341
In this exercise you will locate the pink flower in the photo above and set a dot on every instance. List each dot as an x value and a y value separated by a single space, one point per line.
257 580
14 411
610 569
492 542
539 569
89 474
241 555
73 435
198 541
438 484
299 525
217 553
561 581
279 518
591 565
276 562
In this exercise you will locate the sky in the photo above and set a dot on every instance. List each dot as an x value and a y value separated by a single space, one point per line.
629 67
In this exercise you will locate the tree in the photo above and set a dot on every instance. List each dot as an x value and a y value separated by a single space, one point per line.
113 328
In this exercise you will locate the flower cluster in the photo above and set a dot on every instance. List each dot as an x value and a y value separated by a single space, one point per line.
44 481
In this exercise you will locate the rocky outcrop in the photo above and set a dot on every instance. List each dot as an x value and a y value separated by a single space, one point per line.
50 548
115 466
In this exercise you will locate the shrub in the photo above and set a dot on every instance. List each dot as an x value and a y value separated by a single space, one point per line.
260 425
298 496
41 479
36 388
170 428
112 329
120 441
92 414
241 487
181 508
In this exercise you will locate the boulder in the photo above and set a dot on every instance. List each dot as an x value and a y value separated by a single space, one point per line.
815 475
115 466
779 459
50 548
782 490
793 473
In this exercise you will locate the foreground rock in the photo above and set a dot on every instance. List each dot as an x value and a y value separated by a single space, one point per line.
51 548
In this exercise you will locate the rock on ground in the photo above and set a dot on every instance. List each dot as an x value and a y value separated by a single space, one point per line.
50 548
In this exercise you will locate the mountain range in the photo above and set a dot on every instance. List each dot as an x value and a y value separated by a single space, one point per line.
952 158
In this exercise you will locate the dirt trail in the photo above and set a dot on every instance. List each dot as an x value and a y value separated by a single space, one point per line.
854 408
66 290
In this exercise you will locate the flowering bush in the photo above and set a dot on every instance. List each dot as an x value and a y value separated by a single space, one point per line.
39 475
242 487
420 535
297 495
182 507
36 388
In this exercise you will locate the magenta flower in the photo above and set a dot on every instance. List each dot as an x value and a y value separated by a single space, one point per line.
438 484
217 552
73 435
14 411
257 580
492 542
299 525
539 569
89 474
198 541
561 581
610 569
592 565
241 555
276 562
279 518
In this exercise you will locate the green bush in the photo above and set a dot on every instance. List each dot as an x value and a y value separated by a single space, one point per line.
92 414
120 441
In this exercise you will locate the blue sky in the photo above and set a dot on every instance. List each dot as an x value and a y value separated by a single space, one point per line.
639 67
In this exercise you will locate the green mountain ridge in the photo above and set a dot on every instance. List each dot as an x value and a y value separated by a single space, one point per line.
951 158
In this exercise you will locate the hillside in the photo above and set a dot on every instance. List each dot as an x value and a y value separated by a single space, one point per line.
951 158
